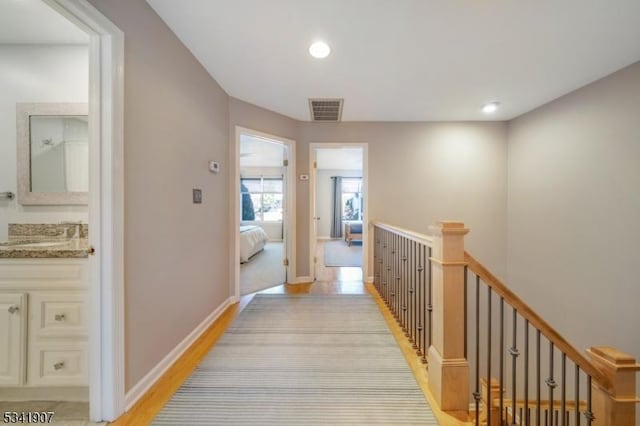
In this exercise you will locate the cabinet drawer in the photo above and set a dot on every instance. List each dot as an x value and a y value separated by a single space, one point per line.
59 364
58 314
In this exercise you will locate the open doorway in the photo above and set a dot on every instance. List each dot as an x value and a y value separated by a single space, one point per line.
263 211
71 339
338 182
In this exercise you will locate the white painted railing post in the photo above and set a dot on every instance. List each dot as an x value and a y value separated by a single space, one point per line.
448 369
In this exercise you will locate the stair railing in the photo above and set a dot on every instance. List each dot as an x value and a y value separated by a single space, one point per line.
484 344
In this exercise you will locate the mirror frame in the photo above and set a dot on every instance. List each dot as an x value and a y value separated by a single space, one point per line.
25 196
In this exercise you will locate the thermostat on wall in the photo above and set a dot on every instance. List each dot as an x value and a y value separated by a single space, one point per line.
304 177
214 167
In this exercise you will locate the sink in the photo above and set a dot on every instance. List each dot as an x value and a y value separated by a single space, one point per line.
31 244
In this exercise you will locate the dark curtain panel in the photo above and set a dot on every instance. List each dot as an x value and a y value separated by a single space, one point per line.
336 207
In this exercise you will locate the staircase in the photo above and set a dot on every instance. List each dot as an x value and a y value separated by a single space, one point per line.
491 359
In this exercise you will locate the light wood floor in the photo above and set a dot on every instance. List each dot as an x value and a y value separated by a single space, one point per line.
343 280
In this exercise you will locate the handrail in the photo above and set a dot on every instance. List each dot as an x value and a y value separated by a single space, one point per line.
536 321
414 236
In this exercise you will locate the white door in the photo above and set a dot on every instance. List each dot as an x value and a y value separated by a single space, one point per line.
13 317
314 214
285 213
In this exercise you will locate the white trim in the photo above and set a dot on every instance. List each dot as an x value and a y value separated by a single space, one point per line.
302 280
136 392
369 280
289 231
106 207
365 195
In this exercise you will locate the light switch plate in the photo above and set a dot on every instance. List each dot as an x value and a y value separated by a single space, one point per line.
197 196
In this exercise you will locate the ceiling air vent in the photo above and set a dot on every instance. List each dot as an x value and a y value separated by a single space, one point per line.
326 110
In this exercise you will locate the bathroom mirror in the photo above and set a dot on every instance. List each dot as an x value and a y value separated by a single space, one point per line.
53 153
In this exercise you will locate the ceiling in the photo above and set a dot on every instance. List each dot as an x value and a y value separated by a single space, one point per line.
259 152
34 22
339 158
407 60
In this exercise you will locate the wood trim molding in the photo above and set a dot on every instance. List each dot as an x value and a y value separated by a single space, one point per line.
143 386
414 236
536 321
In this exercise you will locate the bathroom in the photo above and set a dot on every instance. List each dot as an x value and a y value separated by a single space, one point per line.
44 176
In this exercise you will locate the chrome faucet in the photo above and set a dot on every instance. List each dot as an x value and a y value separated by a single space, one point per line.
76 228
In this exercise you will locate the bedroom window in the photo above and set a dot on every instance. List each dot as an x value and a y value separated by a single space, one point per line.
261 199
351 198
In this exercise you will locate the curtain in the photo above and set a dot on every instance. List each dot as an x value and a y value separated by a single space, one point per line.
336 207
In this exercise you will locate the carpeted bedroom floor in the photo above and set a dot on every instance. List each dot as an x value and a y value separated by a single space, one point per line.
263 270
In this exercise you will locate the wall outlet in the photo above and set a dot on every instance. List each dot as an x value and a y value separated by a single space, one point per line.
197 196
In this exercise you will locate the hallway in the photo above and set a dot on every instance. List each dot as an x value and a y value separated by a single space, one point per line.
335 281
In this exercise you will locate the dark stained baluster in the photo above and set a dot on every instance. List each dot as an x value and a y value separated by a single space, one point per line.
563 406
422 305
501 359
405 287
589 414
526 373
514 357
476 393
414 295
538 413
489 291
427 261
577 395
551 383
426 332
392 276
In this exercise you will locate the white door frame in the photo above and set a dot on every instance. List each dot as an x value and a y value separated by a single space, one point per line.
312 201
290 206
106 207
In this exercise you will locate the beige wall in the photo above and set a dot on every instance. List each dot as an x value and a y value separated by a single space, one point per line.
176 252
445 170
420 173
574 211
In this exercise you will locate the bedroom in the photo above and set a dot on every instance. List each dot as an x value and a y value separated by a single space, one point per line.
262 212
339 210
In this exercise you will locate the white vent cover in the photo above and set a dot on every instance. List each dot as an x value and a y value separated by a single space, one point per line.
326 110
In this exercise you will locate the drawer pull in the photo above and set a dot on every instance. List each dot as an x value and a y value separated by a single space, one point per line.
13 309
58 365
60 317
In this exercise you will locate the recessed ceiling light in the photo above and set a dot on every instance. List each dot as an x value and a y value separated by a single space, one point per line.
490 108
319 50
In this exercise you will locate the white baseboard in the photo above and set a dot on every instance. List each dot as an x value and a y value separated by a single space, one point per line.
369 280
140 388
302 280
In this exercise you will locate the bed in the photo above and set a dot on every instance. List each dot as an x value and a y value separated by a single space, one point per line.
252 240
352 232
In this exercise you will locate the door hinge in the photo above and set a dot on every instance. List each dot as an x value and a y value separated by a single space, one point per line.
285 163
285 262
315 259
315 164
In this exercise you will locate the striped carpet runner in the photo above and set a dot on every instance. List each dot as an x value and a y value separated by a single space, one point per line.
302 360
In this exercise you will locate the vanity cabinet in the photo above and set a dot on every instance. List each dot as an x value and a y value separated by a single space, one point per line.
13 337
47 337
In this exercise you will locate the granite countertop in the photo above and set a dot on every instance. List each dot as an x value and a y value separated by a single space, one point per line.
22 248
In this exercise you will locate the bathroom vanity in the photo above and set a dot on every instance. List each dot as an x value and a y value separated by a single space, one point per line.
43 317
